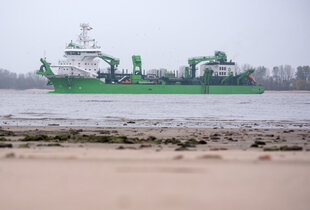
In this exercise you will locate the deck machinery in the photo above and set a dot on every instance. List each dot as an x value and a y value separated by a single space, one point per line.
208 77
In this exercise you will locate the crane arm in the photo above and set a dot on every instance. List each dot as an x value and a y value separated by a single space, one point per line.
244 74
230 75
218 56
197 60
110 60
45 69
113 62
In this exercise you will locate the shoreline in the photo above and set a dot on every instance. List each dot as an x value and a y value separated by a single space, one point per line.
144 168
210 138
287 91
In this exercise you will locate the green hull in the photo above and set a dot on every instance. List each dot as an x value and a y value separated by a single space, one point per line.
92 85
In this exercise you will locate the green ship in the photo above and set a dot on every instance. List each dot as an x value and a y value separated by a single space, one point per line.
80 73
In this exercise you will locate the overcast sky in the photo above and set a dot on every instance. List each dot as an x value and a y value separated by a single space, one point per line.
164 32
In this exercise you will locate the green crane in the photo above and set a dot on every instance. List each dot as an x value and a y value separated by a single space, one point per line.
45 68
113 62
137 64
186 75
137 69
227 78
246 74
206 79
218 56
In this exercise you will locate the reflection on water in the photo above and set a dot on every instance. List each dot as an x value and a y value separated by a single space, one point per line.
266 110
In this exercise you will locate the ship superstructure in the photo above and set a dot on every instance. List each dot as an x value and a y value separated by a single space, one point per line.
220 69
80 59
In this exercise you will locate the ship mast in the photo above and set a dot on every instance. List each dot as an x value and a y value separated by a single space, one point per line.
83 38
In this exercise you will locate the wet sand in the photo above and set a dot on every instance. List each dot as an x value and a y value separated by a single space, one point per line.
146 172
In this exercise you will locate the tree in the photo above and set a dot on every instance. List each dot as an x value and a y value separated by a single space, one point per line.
282 77
302 85
286 72
9 80
276 72
245 67
303 78
303 73
260 73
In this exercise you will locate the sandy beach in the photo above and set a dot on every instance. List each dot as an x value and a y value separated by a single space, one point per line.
154 168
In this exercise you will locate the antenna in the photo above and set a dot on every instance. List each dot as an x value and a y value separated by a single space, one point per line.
84 39
83 36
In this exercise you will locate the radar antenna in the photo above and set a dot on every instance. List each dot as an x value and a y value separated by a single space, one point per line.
84 38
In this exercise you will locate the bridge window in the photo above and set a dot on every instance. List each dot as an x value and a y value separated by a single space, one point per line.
73 53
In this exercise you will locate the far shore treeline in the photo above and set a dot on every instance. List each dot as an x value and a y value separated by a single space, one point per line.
283 77
10 80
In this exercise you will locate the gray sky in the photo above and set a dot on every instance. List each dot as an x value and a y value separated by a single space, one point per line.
164 32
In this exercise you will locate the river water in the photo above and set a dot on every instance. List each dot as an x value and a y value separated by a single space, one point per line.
269 110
